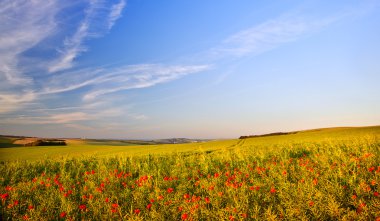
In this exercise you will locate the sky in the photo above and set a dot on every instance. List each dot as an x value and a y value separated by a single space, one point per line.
138 69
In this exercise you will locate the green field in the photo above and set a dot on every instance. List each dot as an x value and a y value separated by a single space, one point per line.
76 148
322 174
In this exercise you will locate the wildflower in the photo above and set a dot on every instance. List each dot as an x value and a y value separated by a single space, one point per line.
371 169
26 217
376 194
244 215
231 217
360 208
284 172
254 188
30 207
62 215
149 206
207 200
315 181
99 189
107 200
170 190
8 188
151 200
186 196
311 203
82 207
354 196
273 190
4 196
137 211
115 205
184 216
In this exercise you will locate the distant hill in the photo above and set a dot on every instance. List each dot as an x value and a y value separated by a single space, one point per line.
177 140
16 141
266 135
329 129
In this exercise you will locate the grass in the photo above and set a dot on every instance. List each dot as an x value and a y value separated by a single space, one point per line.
99 148
327 174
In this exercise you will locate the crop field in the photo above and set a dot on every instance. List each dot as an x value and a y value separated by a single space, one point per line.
324 174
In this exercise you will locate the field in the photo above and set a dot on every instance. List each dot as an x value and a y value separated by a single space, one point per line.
324 174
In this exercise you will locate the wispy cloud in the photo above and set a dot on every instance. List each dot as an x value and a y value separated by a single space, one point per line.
115 13
90 27
81 116
267 36
142 76
109 80
10 102
23 25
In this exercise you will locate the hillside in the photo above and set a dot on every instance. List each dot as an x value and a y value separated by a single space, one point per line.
321 174
79 147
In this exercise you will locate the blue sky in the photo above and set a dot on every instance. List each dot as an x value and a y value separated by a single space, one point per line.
196 69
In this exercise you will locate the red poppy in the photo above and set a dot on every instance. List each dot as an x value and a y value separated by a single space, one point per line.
82 207
170 190
107 200
207 200
376 194
315 181
137 211
4 196
273 190
184 216
311 203
149 206
30 207
62 215
115 205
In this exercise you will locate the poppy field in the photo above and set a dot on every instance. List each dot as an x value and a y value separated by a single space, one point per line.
319 180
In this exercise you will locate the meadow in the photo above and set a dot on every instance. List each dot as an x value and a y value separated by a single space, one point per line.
323 174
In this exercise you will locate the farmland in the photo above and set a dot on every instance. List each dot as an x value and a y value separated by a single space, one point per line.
324 174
